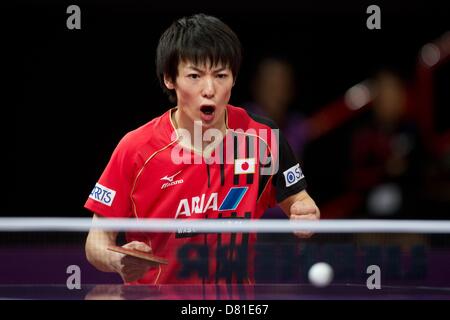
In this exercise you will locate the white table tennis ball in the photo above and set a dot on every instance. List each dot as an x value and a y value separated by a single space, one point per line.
320 274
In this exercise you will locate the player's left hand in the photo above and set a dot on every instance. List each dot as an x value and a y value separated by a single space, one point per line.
301 210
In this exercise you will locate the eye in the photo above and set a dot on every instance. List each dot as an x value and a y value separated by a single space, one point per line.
222 75
193 76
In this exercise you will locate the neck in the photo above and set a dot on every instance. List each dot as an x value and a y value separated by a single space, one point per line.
179 123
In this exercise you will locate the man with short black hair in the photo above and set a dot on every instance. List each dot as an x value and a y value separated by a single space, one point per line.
241 166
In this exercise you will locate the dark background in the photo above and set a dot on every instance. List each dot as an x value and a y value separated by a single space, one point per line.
70 95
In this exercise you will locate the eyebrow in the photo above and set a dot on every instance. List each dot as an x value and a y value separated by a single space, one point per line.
200 70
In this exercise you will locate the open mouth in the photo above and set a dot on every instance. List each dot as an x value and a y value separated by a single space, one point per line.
208 110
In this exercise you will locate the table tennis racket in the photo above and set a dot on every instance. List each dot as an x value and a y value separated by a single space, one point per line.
138 254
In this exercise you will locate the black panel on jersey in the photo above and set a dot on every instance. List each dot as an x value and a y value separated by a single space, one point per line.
248 154
287 160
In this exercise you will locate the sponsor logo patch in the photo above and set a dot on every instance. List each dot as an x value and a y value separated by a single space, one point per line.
293 175
103 194
203 203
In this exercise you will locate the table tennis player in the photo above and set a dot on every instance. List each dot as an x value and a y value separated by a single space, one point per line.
241 166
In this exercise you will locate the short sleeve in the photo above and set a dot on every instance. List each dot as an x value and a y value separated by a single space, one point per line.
289 178
110 196
282 175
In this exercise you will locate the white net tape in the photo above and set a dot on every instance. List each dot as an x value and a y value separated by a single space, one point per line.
225 225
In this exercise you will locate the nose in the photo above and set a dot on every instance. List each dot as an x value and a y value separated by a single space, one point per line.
208 88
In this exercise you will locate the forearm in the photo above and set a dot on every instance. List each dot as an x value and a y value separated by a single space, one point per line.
97 252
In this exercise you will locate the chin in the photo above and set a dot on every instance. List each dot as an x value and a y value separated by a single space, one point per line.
208 125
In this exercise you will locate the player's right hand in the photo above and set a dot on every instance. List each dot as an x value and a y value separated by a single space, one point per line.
304 211
130 268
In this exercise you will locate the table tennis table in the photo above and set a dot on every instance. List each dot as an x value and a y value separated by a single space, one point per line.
344 291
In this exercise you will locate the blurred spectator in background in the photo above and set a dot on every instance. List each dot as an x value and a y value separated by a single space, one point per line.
273 90
437 186
273 93
388 156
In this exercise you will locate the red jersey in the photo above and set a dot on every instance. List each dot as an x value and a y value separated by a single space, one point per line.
151 175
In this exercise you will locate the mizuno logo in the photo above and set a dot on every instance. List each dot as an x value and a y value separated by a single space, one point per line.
170 179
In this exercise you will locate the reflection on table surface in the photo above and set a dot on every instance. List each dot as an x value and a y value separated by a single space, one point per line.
346 291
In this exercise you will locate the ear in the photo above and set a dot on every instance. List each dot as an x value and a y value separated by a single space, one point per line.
168 82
